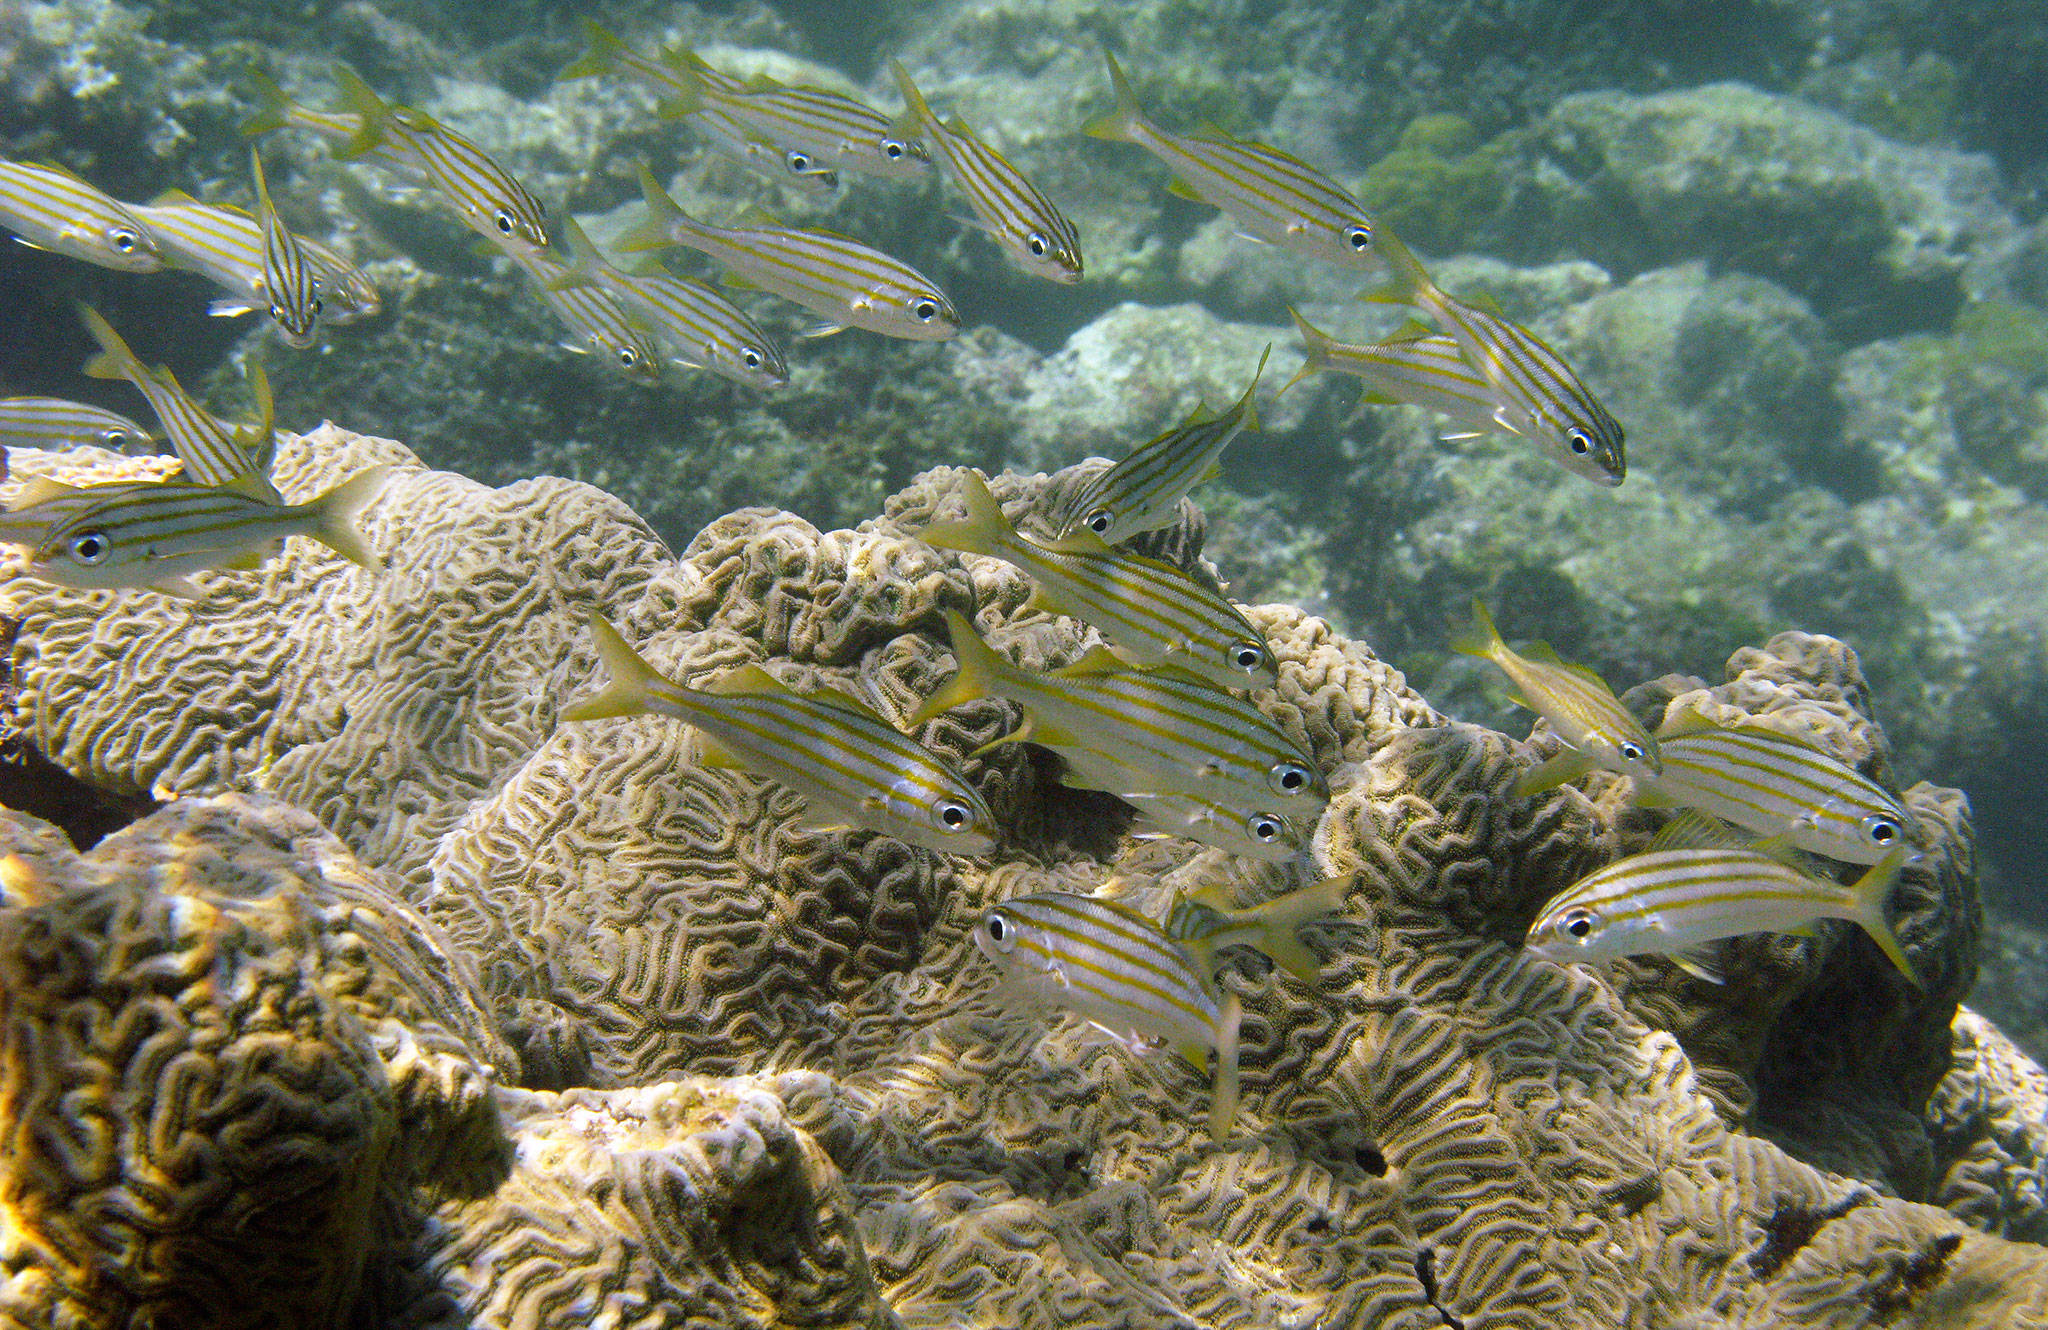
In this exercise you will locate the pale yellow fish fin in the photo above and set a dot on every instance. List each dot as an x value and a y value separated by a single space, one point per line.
1018 735
41 489
1479 638
245 563
984 531
1094 662
1699 962
1485 304
652 230
845 701
603 53
1560 769
628 677
173 198
1248 404
1081 540
115 360
1681 718
1315 350
1181 189
179 588
749 678
1648 794
917 113
1280 919
715 756
977 666
1223 1101
1872 894
336 511
1691 829
756 215
1127 121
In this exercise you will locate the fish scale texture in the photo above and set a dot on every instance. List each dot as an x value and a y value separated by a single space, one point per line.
748 1071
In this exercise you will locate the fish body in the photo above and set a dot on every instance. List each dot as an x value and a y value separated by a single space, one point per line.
1205 923
290 278
599 325
1426 371
1536 393
225 245
1774 785
1143 491
849 284
1260 834
349 134
811 128
1129 731
1118 969
853 768
701 327
1581 708
1273 196
1666 901
48 207
214 451
153 535
52 423
1151 612
1016 214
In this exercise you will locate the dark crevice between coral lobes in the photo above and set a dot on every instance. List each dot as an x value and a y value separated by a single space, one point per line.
31 783
1425 1274
1791 1227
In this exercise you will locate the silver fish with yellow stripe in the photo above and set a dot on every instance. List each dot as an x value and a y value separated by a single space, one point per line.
53 423
1028 226
823 130
1667 901
1119 970
853 768
1771 783
1536 393
598 323
1273 196
1151 612
1261 834
289 277
213 451
348 133
1143 491
225 245
1580 707
849 284
48 207
700 327
154 535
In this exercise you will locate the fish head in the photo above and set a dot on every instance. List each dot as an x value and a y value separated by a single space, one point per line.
295 322
634 359
1053 258
1630 754
1569 931
896 156
125 245
1247 662
1592 449
1291 779
941 814
758 365
1270 837
920 315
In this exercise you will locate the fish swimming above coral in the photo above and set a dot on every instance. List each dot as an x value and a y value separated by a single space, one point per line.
1581 708
1143 491
1029 228
1151 612
225 245
290 277
1273 197
854 769
813 129
598 324
1693 886
847 283
54 423
48 207
1121 971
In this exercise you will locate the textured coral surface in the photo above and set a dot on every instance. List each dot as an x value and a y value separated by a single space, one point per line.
561 1027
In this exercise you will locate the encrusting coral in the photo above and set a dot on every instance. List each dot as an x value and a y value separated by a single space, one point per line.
565 929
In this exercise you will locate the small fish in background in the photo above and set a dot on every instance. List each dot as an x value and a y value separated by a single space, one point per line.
1273 196
1129 731
213 451
811 128
225 245
700 327
1580 707
1535 393
153 535
1205 922
598 323
1770 783
1120 971
1151 612
54 423
1259 834
289 277
1015 213
349 134
1691 887
854 769
847 283
605 54
48 207
1143 491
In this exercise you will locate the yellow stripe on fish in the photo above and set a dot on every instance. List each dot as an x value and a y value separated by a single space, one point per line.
288 272
225 245
1151 612
213 451
600 325
48 207
826 130
51 423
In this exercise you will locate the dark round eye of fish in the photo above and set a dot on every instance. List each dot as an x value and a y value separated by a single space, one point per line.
925 310
750 358
1632 751
628 357
1579 924
1265 828
1883 831
1289 778
1097 521
1579 442
503 221
892 150
1247 656
799 161
1036 244
1358 238
317 305
90 547
116 438
124 240
1000 930
952 815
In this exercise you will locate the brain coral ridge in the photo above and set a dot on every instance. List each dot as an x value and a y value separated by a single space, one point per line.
586 1032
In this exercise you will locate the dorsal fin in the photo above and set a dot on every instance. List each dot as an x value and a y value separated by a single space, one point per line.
749 678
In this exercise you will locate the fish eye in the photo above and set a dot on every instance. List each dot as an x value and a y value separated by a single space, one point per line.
628 357
1265 828
1247 656
124 240
750 357
1579 442
1289 778
116 438
952 815
799 161
90 548
1000 930
317 305
503 220
1883 831
925 310
1358 237
1579 924
1632 751
1097 521
892 150
1036 244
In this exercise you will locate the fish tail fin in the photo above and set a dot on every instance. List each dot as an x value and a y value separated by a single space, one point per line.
1127 121
1315 350
262 184
653 231
335 514
263 447
974 677
917 113
1223 1102
1250 401
1279 918
362 100
115 359
1872 892
1409 283
628 677
274 106
986 529
601 53
689 67
1479 638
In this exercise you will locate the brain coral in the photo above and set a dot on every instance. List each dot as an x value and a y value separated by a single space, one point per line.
1439 1132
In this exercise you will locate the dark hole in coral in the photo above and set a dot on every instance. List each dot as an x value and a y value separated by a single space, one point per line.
1635 1193
1915 1276
31 783
1425 1274
1320 1224
1790 1228
1371 1160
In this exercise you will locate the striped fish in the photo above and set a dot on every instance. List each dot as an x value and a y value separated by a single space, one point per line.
1143 492
1581 708
1274 197
225 245
600 325
1128 731
1535 392
153 535
213 451
850 284
1031 230
1205 923
852 767
1260 834
289 277
822 130
1666 901
47 207
1425 371
702 327
606 54
1774 785
348 134
1119 970
53 423
1151 612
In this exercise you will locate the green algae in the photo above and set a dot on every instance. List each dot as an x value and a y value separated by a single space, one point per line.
1438 180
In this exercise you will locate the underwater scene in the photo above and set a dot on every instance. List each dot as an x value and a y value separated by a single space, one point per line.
1023 663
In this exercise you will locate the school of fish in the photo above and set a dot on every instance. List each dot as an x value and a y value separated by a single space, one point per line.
1164 714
